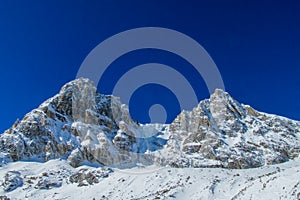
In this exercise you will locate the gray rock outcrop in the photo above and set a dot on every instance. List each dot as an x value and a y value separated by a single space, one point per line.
81 125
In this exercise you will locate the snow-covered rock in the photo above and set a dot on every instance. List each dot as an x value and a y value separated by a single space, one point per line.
83 126
47 183
220 132
85 176
78 123
11 180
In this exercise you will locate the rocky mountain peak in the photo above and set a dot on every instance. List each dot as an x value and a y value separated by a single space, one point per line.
224 107
77 83
81 125
221 132
219 93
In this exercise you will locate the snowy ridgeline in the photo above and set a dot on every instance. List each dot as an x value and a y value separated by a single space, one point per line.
82 127
56 179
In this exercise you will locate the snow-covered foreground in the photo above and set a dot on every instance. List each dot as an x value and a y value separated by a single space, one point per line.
51 180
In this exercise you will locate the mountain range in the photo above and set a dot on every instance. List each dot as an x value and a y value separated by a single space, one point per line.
82 127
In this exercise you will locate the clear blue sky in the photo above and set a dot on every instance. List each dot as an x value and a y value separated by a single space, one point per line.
255 44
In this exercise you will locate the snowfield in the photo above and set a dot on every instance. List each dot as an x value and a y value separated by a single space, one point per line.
281 181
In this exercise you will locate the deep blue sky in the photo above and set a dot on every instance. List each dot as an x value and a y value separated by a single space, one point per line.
256 46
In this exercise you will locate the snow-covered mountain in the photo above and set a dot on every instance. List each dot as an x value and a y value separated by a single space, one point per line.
80 125
221 132
83 127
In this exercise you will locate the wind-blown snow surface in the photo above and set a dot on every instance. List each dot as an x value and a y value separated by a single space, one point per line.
281 181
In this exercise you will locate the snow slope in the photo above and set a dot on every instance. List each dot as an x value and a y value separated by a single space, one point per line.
281 181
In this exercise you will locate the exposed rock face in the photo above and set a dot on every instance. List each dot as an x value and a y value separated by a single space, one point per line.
80 125
221 132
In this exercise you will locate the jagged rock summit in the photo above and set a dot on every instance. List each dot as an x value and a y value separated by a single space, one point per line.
81 125
220 132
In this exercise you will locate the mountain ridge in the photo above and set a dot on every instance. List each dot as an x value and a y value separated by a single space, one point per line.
81 125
